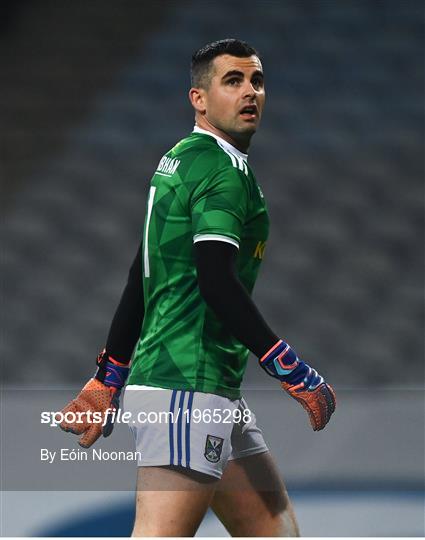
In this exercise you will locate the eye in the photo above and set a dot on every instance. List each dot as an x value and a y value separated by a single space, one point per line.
234 81
257 82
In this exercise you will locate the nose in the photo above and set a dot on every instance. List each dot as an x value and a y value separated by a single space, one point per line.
248 89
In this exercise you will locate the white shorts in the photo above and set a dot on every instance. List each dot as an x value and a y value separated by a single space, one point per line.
195 430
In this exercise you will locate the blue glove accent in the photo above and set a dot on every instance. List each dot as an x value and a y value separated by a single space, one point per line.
110 372
110 418
301 382
115 375
282 363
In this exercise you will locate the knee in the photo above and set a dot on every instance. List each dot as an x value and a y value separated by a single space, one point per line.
137 531
287 523
140 531
163 528
281 524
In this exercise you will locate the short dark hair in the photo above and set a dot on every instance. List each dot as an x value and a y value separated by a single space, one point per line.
200 70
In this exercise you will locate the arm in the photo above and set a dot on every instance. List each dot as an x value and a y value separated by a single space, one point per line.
127 321
226 296
101 393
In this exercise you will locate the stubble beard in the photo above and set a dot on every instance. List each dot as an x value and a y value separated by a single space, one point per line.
243 134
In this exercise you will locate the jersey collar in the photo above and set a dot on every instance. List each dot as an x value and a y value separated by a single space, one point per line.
224 144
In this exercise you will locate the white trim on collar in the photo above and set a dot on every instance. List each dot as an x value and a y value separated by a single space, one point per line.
224 144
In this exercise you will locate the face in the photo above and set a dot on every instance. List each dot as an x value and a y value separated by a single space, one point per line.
234 101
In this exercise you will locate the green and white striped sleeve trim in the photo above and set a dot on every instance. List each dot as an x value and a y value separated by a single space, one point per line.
218 237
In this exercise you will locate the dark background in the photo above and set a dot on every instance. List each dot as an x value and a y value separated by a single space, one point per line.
93 93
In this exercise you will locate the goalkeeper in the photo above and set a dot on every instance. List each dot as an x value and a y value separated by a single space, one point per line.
187 320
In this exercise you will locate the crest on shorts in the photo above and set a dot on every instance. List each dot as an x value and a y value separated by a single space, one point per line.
213 448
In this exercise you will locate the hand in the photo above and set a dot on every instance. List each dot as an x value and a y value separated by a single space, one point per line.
301 382
92 413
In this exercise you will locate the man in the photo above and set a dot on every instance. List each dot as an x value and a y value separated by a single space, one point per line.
187 313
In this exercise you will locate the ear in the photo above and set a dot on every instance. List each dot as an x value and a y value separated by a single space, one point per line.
197 97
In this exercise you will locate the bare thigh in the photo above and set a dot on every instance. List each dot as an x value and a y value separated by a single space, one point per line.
171 501
251 499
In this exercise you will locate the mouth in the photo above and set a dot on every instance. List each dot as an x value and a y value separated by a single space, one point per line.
249 112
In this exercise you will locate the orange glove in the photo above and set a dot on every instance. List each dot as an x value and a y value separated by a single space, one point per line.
319 403
91 413
301 382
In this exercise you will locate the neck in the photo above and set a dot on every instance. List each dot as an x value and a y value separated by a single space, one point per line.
240 141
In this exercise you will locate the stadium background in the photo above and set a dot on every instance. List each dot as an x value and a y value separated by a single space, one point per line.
91 96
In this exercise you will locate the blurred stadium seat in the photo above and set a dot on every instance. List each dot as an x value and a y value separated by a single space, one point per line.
91 103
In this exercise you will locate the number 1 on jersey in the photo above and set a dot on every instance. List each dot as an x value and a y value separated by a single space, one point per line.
148 218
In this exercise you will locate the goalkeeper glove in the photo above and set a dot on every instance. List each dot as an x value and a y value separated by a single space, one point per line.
95 406
301 382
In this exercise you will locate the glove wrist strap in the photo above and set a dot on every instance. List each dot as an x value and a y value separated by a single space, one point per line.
279 361
110 372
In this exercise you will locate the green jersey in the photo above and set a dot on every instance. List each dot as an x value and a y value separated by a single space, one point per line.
203 189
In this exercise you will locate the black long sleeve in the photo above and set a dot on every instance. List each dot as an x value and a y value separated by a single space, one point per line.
127 321
227 297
